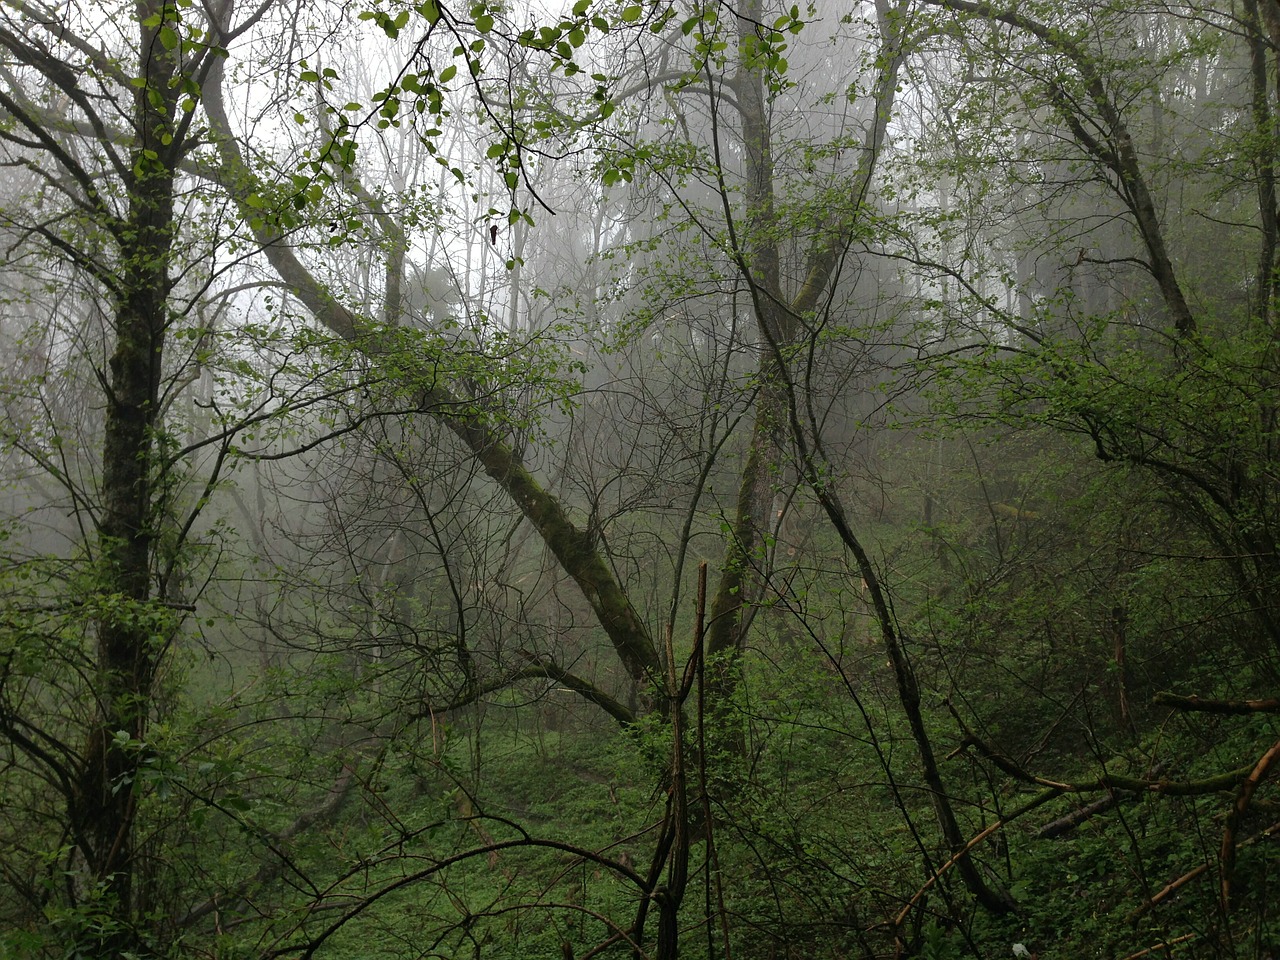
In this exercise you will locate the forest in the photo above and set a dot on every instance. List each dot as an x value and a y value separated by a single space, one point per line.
639 479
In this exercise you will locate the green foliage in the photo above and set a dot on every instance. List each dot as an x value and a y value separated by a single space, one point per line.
366 545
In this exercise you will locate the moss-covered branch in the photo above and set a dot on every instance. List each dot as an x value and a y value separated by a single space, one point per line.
576 551
1229 780
1206 705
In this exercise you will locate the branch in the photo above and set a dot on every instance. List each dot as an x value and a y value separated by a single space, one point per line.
336 798
308 947
1073 819
1069 821
1161 947
1173 886
583 688
1227 857
1112 781
545 670
55 150
982 835
1204 705
66 80
574 549
829 247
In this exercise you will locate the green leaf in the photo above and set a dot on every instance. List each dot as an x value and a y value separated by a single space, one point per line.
484 23
632 13
448 73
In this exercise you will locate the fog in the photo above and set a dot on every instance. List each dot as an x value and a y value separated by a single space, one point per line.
739 481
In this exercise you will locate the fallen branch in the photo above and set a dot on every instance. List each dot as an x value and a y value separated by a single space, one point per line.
1068 822
538 669
335 799
1027 807
1111 781
1204 705
1163 945
1227 857
1173 886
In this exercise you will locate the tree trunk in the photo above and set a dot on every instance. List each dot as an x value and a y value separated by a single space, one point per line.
131 638
745 567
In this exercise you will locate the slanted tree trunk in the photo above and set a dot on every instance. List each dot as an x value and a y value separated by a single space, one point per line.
574 548
780 398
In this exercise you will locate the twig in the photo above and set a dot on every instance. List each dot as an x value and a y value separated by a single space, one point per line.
1163 945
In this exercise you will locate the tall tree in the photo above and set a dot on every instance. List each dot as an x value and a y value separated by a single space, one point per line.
136 99
104 112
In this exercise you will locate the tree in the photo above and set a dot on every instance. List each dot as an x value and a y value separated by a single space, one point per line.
124 210
104 124
126 191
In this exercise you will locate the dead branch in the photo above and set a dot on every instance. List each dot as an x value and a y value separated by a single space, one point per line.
1227 858
1162 945
1205 705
